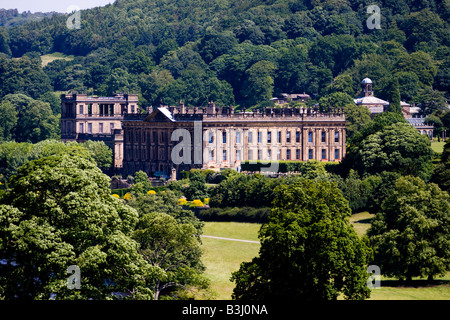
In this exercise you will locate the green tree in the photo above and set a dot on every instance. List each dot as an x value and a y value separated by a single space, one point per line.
197 188
101 153
8 120
308 249
37 122
394 96
357 117
141 182
173 247
410 236
64 215
258 84
397 148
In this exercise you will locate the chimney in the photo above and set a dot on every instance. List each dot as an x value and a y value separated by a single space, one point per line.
211 108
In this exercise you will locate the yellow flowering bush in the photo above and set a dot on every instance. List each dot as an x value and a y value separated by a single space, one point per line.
181 202
206 200
115 195
151 192
197 203
127 196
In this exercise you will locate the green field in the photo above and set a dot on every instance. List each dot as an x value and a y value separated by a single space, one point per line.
47 58
222 257
437 146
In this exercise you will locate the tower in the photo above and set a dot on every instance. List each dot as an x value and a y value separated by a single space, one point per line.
367 87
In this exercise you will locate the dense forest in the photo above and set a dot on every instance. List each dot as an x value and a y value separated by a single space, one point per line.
235 52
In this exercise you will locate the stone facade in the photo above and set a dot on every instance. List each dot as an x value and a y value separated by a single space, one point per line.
217 138
97 118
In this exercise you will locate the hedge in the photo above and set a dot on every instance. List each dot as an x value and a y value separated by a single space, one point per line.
235 214
288 165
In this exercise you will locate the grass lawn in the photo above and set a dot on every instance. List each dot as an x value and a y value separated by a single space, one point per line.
437 146
222 257
47 58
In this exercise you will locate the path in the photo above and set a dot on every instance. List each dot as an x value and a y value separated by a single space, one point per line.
230 239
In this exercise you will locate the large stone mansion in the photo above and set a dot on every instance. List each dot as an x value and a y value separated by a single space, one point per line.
170 139
217 137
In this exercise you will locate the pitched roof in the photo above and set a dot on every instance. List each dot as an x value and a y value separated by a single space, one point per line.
370 100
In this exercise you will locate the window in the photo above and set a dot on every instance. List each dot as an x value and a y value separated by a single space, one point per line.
269 154
90 109
269 137
336 154
278 154
310 136
81 128
324 154
324 136
297 154
250 154
259 137
111 109
224 137
211 155
288 137
81 109
288 154
100 127
238 155
89 127
250 137
279 137
224 155
211 137
336 136
259 154
238 137
310 154
111 126
132 108
297 136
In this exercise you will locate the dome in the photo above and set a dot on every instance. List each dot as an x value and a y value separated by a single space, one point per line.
366 80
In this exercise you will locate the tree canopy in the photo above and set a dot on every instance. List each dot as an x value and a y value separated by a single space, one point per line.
308 248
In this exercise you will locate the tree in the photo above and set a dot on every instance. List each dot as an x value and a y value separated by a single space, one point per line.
430 100
8 120
397 148
37 122
101 153
357 117
410 236
60 212
141 182
258 84
173 247
197 188
394 96
308 248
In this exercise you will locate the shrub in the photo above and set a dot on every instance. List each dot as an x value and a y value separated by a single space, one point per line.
197 203
151 192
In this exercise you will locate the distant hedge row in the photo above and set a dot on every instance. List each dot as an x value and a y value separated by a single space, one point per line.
284 166
243 214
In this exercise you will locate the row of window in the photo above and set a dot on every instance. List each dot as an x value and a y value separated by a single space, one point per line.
269 137
104 109
337 155
89 127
